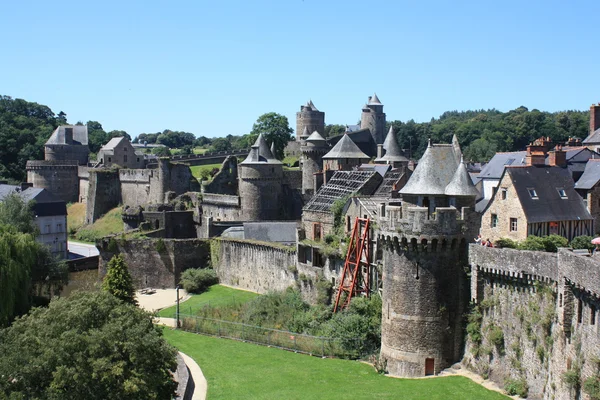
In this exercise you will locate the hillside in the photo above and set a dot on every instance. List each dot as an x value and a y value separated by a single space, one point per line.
110 223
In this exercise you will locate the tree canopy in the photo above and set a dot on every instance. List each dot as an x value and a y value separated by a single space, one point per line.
86 346
275 129
118 281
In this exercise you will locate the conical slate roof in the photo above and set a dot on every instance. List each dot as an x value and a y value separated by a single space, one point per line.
260 153
461 183
374 100
345 148
315 137
434 171
392 149
272 149
311 104
305 132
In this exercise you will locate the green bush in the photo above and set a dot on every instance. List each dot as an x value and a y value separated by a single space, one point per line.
516 387
553 242
591 386
582 242
160 246
572 377
197 280
534 243
496 337
506 243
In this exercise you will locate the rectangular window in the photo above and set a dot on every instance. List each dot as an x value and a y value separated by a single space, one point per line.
494 222
316 231
59 228
503 194
138 159
125 158
592 315
513 225
109 159
125 149
562 193
532 193
48 228
579 311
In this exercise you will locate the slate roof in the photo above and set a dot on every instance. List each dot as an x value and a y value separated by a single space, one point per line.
591 175
461 183
262 155
45 202
374 100
341 184
362 138
352 128
345 148
315 137
389 179
392 149
112 143
549 205
281 232
80 135
495 167
434 171
593 138
381 169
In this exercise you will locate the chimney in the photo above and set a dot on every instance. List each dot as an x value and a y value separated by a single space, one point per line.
557 157
69 135
536 154
25 185
594 117
379 150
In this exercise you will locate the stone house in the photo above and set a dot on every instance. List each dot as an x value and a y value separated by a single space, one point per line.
50 216
536 200
119 151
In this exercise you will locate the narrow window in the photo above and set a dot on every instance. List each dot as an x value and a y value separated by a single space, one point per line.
109 159
125 149
513 225
494 222
317 231
579 311
125 158
503 194
560 303
348 224
592 315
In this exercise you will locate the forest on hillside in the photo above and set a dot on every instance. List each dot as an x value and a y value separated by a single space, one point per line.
25 126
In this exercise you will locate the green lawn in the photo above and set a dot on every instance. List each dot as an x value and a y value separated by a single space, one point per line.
237 370
216 295
197 169
110 223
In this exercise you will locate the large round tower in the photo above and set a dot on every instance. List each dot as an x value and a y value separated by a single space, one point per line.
425 290
58 177
313 149
68 143
260 183
373 118
310 118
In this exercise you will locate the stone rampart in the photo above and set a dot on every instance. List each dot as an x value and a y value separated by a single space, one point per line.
104 193
535 323
155 263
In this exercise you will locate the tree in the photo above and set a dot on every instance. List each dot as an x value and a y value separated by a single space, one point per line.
220 144
275 129
86 346
161 151
118 281
15 212
333 130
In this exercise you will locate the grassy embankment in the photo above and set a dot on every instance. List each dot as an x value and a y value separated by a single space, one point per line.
237 370
215 296
110 223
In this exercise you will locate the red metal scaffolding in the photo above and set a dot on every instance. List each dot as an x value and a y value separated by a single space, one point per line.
355 277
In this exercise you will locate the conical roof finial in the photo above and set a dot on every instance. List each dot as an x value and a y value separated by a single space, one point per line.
374 99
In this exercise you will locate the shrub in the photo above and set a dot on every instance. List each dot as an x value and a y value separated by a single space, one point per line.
496 337
506 243
553 242
160 246
118 282
582 242
534 243
324 289
196 280
474 325
572 377
516 387
591 386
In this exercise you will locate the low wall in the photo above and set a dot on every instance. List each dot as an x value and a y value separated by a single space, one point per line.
538 320
185 381
83 264
155 263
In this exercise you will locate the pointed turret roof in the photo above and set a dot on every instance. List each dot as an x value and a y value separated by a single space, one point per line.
260 153
461 183
305 132
273 149
392 149
345 148
312 105
315 137
374 100
434 171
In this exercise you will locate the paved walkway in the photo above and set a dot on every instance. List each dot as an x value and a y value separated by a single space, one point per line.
158 300
457 369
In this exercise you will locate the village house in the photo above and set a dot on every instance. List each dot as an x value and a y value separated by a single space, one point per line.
119 151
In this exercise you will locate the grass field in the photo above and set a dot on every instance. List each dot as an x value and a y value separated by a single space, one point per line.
75 217
197 169
237 370
215 296
110 223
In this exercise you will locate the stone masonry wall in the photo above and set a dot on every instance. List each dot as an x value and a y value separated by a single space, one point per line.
155 263
104 193
538 320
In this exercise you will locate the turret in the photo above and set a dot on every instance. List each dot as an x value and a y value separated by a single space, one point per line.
309 118
313 148
373 118
344 156
390 153
260 183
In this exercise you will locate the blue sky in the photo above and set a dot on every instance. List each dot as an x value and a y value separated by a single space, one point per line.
212 67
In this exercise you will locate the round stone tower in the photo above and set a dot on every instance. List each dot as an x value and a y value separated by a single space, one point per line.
310 118
425 287
260 183
58 177
373 118
68 143
313 149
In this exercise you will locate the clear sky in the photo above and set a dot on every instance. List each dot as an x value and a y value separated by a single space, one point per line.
212 67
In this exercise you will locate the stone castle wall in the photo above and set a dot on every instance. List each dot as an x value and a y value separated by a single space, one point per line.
104 193
539 319
57 177
152 264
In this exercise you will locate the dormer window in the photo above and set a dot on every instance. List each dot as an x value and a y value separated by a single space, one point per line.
532 193
562 193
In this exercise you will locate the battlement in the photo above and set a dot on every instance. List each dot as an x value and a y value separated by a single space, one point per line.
419 221
54 164
136 175
220 199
